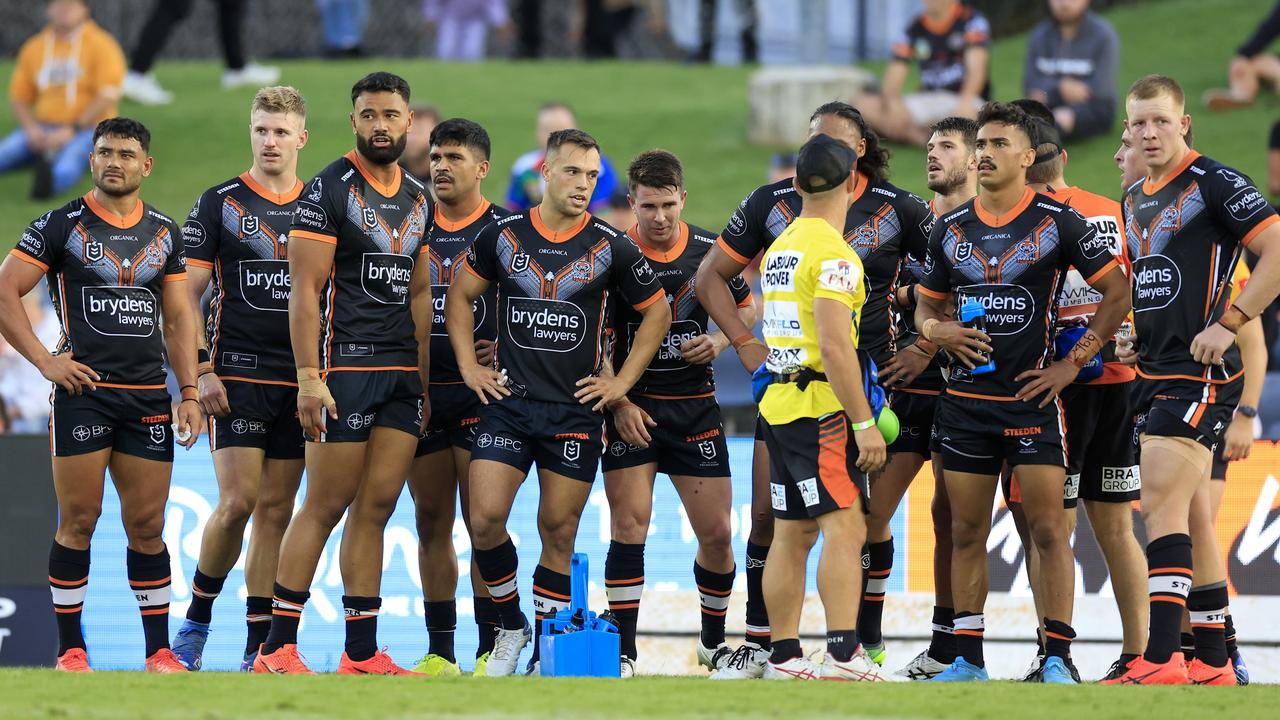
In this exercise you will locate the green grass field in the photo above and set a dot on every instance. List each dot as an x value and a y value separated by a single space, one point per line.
700 113
42 694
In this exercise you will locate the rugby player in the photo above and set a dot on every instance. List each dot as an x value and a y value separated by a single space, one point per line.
556 269
670 421
359 322
237 237
1007 249
952 175
818 423
117 277
458 154
884 225
1185 224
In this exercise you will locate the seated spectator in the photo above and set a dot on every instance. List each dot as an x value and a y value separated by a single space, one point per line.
462 26
1072 58
342 23
1250 68
951 42
67 78
416 157
782 166
525 188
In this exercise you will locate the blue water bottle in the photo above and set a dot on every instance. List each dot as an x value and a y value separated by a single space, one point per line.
974 315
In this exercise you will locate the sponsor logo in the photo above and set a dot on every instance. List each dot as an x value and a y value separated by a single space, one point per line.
158 433
192 234
618 448
385 277
121 311
93 251
479 308
265 284
643 271
779 271
552 251
572 450
777 499
310 215
1106 237
781 319
838 276
809 491
499 442
545 325
1050 208
1009 308
669 357
1121 479
1246 203
355 350
1021 432
317 190
786 360
370 217
249 225
484 441
357 421
1071 489
239 426
1156 282
519 263
964 251
737 224
31 243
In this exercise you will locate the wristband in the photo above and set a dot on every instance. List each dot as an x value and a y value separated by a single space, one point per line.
864 425
188 400
741 340
926 330
927 347
1234 318
1248 411
202 355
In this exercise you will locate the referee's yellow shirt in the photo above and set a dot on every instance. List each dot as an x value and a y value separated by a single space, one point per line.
809 260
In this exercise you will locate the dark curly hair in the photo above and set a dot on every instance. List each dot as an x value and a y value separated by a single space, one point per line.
874 163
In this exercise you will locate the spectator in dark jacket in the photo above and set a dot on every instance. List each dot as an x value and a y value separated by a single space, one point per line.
1072 58
1251 68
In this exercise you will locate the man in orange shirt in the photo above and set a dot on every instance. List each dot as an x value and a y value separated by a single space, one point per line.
66 80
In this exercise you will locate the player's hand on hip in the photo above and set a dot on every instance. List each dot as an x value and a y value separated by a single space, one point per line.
632 423
1239 438
484 352
1127 349
872 451
701 350
1050 380
600 391
485 382
752 354
213 395
188 420
1208 347
905 366
965 344
72 376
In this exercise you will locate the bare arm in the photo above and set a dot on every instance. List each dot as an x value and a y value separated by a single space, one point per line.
96 107
603 390
180 343
459 323
1253 354
975 74
1264 284
714 273
423 312
213 394
895 78
840 360
706 348
309 264
965 344
1273 172
17 278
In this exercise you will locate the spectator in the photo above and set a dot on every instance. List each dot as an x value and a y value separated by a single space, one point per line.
1072 58
601 23
525 188
67 78
746 12
462 26
140 85
529 29
23 390
416 157
1273 161
782 166
952 44
343 23
1251 67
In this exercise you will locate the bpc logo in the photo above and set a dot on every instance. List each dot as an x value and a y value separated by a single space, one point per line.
239 426
356 421
80 433
618 448
484 441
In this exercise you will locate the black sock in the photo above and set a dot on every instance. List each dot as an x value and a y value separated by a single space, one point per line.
1187 646
879 567
784 650
842 644
550 595
969 630
442 621
486 623
1168 582
1229 629
1040 645
1126 658
68 583
1058 636
757 615
498 570
714 590
149 577
362 626
1208 607
623 585
942 644
257 620
286 614
204 590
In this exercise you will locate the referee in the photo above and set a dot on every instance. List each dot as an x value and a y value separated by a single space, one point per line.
818 424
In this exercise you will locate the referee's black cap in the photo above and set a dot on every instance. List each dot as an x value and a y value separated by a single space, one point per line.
823 163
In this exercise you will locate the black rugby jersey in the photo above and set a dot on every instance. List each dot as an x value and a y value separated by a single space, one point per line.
668 374
447 248
240 230
939 48
365 318
553 297
1014 265
883 225
930 380
1184 236
105 275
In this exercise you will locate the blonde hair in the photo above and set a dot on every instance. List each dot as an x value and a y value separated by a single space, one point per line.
1153 86
280 99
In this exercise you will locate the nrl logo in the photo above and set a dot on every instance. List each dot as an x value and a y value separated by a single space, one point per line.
964 251
249 225
572 450
370 218
93 251
519 263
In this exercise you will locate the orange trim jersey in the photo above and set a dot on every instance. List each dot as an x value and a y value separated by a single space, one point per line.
554 290
60 76
669 375
240 231
379 231
1014 265
1185 236
106 275
939 48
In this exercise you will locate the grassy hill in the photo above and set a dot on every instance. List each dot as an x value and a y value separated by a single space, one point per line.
700 113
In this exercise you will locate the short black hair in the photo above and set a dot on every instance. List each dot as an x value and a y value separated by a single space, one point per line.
123 127
874 163
1008 114
572 136
376 82
1035 109
460 131
655 169
965 127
